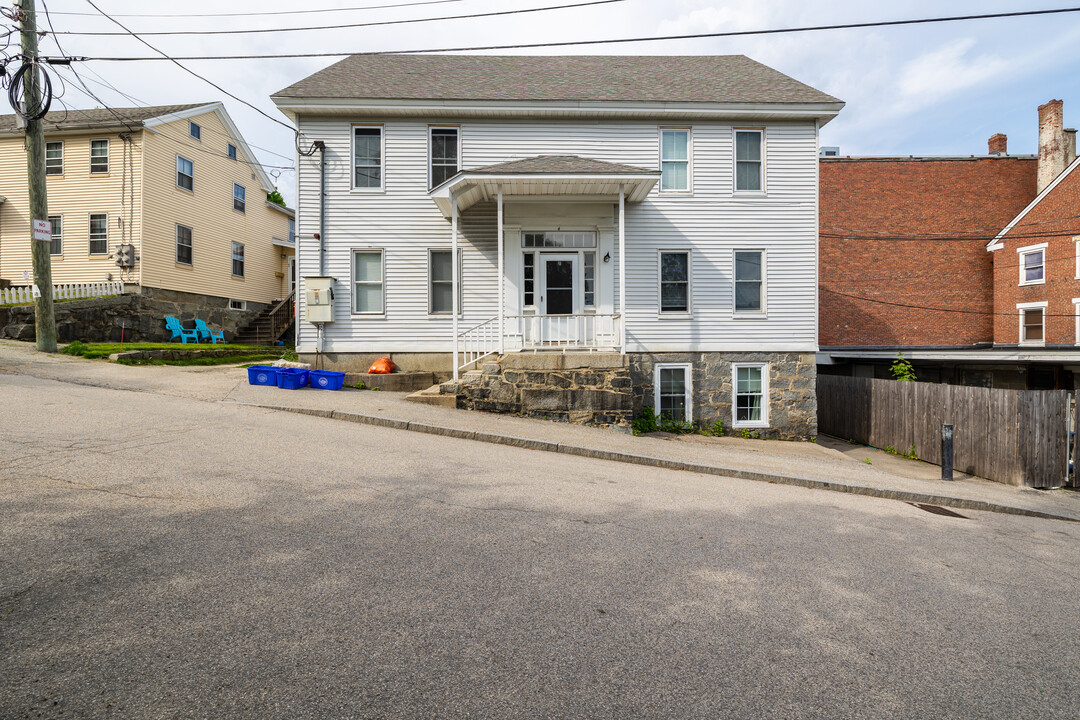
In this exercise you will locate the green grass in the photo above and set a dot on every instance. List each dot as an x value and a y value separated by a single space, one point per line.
94 351
248 359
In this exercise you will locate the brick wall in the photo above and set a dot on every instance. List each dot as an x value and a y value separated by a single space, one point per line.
1054 220
897 198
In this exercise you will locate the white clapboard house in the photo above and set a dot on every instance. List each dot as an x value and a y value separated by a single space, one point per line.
624 227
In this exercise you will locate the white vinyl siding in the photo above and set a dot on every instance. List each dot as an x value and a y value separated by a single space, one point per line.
712 223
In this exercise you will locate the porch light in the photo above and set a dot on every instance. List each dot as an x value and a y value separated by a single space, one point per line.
607 257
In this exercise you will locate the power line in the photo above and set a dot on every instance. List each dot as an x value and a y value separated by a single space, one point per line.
250 31
269 12
192 72
938 309
567 43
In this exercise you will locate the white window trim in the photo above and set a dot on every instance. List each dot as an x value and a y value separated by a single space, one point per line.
461 304
242 211
382 159
62 149
1076 313
176 245
243 305
108 151
235 152
1076 240
751 314
192 125
689 158
1020 308
89 228
1027 250
735 163
61 253
688 368
460 162
176 176
689 311
352 281
232 259
764 421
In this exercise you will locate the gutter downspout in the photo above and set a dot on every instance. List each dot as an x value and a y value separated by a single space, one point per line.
321 146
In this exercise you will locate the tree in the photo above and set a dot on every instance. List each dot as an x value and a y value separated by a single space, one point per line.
275 197
902 370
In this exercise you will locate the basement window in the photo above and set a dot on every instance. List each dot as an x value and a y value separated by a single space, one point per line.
238 304
750 407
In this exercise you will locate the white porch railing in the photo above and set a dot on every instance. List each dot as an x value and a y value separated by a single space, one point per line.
72 291
565 332
478 342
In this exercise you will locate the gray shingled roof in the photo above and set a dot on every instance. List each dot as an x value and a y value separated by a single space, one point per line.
610 78
559 165
98 117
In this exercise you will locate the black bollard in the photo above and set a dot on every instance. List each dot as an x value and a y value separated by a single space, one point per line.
946 452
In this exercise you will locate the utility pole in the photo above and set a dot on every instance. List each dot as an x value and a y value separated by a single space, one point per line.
44 320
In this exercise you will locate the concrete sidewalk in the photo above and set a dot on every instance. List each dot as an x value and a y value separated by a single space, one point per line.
830 465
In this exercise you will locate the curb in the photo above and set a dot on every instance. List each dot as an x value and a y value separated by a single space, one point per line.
664 463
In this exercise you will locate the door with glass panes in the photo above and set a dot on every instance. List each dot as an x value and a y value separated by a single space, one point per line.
559 296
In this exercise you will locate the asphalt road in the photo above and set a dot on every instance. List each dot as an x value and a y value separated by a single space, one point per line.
166 557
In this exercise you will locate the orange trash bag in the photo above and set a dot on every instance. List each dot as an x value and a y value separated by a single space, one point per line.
382 366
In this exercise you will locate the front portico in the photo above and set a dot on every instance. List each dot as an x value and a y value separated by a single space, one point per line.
556 285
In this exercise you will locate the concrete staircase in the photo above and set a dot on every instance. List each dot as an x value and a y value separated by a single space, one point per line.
445 394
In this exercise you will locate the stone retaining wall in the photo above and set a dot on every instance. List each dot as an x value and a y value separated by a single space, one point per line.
100 319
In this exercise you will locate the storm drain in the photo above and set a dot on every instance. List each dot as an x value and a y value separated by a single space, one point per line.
938 510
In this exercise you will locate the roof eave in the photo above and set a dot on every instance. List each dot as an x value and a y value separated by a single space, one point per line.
295 106
639 186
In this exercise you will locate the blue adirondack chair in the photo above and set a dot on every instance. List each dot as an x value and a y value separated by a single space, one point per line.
206 334
179 331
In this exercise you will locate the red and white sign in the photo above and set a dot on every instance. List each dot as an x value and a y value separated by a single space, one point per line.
43 230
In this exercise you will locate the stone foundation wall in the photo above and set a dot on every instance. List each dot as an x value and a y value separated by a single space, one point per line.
792 388
99 320
610 389
580 388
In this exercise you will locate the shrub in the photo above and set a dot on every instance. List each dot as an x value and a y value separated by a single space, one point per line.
75 348
902 370
717 429
645 422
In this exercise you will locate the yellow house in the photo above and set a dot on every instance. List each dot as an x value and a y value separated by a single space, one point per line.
166 198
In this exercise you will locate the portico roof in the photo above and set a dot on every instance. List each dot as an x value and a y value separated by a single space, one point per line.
545 175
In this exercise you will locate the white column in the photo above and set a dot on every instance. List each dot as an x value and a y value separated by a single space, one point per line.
622 269
454 286
502 280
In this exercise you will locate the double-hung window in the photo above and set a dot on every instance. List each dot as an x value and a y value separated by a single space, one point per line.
675 281
239 197
749 281
230 150
1032 264
54 157
367 158
368 282
99 156
1032 323
674 159
671 391
194 130
185 173
441 281
445 154
183 245
56 247
238 259
99 233
750 406
748 160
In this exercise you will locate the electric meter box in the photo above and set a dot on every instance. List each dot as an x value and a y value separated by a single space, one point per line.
319 299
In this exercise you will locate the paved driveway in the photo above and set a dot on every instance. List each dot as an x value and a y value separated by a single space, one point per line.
169 557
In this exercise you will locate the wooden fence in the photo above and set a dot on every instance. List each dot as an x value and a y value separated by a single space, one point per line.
73 291
1020 437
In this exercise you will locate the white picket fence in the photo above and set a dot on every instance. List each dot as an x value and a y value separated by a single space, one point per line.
71 291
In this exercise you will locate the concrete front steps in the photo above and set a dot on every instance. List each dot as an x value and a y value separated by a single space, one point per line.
445 394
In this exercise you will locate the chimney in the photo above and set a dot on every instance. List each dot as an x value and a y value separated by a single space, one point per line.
1070 146
998 144
1051 144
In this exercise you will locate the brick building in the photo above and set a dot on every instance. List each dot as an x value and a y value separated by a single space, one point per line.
904 265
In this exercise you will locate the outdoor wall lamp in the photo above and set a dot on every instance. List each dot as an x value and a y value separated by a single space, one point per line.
607 257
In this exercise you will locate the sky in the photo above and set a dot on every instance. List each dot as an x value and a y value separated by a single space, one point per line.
939 89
